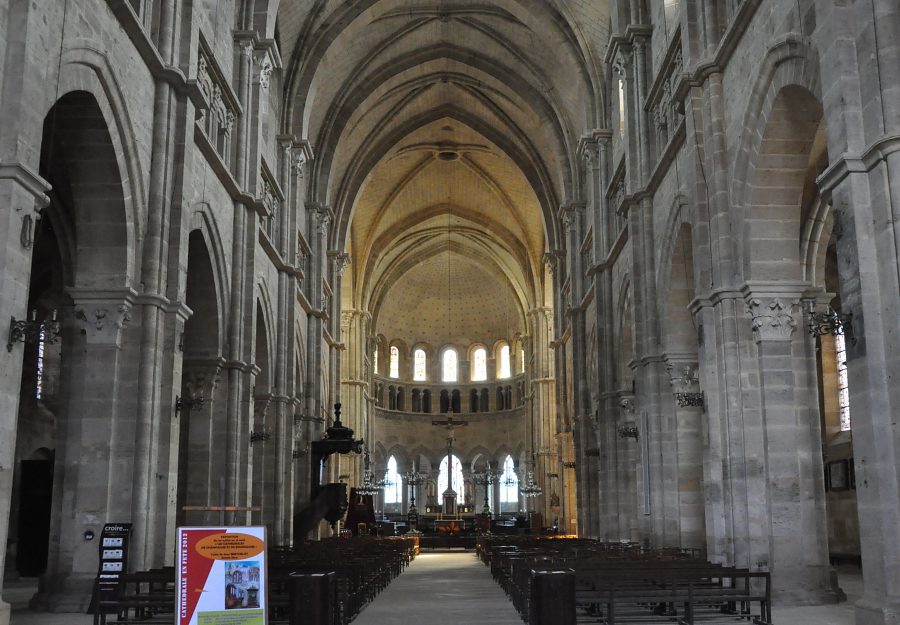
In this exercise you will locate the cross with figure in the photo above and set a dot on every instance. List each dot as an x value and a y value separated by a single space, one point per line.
450 494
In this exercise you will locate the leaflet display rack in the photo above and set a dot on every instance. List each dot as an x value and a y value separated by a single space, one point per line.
113 558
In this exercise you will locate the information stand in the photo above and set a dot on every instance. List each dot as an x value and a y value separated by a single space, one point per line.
113 560
222 576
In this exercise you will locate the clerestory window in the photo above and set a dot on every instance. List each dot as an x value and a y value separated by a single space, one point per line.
450 366
419 365
479 365
395 362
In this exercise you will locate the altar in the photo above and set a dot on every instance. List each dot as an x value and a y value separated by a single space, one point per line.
436 520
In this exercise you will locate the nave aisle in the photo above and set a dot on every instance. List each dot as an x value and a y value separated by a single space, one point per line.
447 588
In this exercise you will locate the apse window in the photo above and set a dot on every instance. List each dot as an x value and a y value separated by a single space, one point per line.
840 352
375 359
509 487
479 365
621 108
395 362
457 484
393 493
521 361
450 366
419 363
503 368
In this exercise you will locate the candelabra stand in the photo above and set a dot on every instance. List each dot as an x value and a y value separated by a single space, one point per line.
413 479
486 478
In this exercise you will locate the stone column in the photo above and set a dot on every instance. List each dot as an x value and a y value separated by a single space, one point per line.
355 373
263 453
200 465
688 401
625 433
786 517
866 199
95 450
22 195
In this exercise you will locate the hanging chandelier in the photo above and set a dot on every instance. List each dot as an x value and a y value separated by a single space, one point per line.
368 485
530 488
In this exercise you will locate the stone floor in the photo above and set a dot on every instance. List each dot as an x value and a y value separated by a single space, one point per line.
453 588
444 588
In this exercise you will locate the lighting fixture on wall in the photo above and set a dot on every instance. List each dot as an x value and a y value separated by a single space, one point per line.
830 322
186 404
33 331
260 437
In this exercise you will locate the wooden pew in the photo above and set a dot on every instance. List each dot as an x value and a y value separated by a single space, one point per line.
623 583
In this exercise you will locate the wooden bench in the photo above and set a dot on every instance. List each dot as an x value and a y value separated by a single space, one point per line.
614 582
147 596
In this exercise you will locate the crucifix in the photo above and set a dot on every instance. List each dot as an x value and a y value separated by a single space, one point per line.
450 494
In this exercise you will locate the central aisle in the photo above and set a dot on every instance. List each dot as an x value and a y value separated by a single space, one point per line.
442 589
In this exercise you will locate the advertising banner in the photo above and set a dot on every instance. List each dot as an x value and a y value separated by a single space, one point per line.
221 576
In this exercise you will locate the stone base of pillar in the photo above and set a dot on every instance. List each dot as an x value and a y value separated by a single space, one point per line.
875 611
4 613
821 588
73 594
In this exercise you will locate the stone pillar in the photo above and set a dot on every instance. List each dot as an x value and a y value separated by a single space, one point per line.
865 195
624 434
263 453
96 447
688 401
200 466
22 195
786 515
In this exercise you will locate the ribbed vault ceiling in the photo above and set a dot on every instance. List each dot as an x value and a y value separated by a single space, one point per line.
445 137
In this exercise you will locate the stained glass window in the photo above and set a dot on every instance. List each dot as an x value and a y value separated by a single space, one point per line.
393 489
840 352
509 484
450 366
479 365
419 362
395 362
503 366
458 485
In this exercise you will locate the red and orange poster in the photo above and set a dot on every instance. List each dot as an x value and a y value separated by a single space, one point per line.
221 576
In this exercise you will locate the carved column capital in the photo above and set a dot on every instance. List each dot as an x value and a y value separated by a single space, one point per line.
772 318
627 404
323 220
201 376
683 376
102 315
264 62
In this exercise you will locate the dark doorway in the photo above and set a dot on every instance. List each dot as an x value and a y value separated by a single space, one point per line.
36 498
